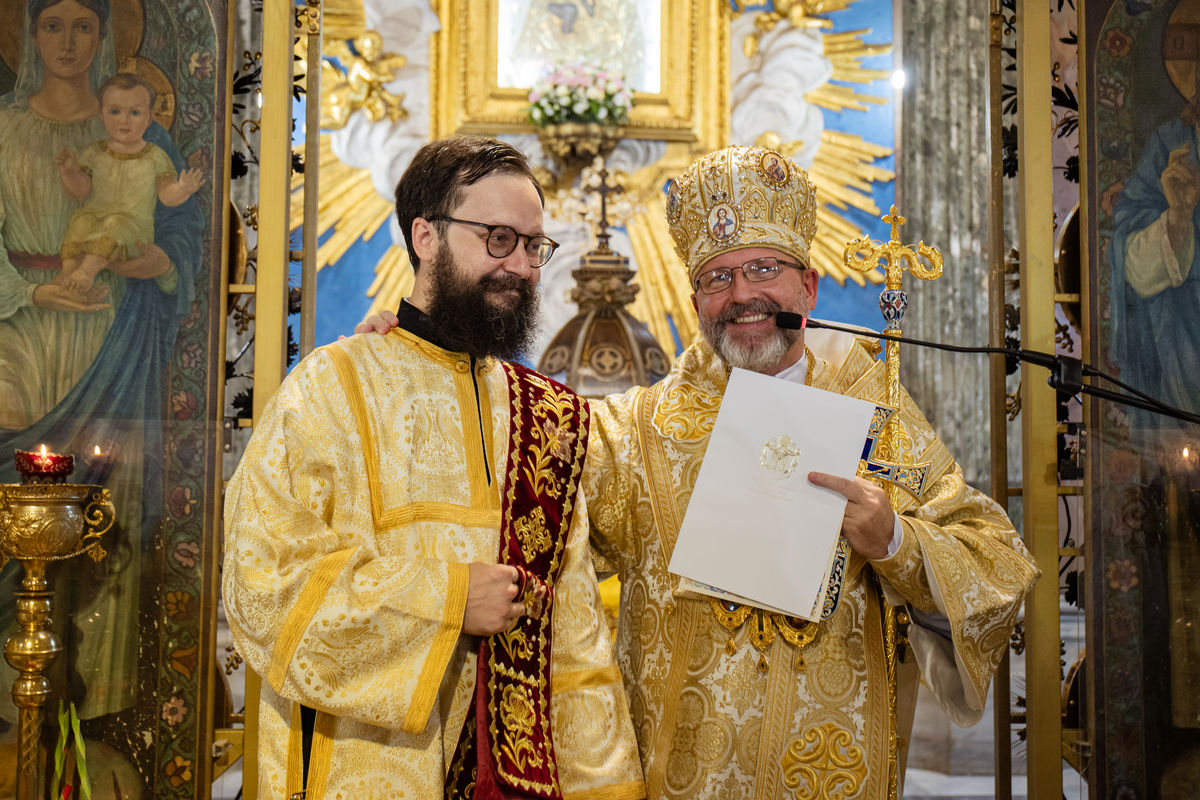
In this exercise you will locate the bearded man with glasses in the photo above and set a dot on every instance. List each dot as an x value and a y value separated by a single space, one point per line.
734 701
406 551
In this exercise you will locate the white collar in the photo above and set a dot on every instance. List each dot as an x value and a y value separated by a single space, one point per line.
797 372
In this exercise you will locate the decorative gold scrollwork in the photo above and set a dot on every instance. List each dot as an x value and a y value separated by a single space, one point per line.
532 533
824 763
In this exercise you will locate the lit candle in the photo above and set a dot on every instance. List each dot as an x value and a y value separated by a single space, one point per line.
100 461
43 467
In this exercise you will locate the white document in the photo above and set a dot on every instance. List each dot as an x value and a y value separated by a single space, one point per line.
755 527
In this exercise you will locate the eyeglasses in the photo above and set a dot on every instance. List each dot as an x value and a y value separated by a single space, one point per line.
759 270
502 240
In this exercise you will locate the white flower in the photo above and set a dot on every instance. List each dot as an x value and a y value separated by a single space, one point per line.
579 90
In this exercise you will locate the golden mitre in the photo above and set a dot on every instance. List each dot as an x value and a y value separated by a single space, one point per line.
741 197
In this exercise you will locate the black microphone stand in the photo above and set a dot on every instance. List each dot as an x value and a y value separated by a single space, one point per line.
1066 373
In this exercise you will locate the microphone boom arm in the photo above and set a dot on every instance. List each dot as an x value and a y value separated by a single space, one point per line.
1066 372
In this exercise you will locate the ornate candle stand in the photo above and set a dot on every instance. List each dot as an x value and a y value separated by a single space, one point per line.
40 523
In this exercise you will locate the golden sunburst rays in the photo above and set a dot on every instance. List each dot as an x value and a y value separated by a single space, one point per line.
844 167
845 164
843 171
665 291
846 51
349 206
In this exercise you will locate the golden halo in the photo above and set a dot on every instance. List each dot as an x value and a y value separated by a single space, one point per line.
164 103
1181 46
126 36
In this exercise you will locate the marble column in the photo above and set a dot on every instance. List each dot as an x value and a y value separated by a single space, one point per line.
942 190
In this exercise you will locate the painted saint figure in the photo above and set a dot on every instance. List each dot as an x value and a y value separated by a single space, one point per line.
722 224
81 368
120 178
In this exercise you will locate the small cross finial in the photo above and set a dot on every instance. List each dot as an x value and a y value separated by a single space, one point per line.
895 220
603 188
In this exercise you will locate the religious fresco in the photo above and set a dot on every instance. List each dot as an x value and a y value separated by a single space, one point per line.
1143 188
111 209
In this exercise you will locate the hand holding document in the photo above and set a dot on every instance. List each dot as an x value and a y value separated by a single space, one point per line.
756 531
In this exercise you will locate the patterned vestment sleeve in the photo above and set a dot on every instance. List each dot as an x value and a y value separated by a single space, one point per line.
960 558
312 605
612 488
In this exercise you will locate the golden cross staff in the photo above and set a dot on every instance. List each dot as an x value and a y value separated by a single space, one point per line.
864 255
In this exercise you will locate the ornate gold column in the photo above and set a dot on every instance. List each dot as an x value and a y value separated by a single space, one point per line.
1039 446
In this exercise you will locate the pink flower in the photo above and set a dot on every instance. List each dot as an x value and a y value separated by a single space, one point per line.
181 501
174 710
1122 575
186 553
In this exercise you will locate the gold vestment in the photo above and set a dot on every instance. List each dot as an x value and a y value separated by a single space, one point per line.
368 487
718 718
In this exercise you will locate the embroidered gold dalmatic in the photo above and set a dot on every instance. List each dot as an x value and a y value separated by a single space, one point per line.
746 713
361 499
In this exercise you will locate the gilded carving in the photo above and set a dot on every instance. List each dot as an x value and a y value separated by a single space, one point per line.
360 85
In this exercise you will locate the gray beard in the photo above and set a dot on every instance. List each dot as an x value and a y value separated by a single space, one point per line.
759 355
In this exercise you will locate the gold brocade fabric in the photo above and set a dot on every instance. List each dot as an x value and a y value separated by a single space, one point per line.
356 508
713 724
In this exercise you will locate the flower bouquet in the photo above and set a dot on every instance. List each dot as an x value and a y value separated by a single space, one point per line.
578 110
579 92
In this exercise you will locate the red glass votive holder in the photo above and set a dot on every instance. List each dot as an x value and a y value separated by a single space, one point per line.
43 467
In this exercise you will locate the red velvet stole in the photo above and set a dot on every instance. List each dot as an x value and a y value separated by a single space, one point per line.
505 749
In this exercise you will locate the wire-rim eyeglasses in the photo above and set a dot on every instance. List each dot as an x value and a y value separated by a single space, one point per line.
758 270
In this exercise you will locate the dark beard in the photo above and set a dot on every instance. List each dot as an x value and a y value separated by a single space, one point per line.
468 323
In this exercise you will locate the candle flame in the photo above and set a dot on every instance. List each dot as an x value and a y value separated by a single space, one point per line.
1185 452
43 451
96 451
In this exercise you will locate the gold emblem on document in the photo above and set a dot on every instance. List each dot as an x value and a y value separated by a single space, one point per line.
780 457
